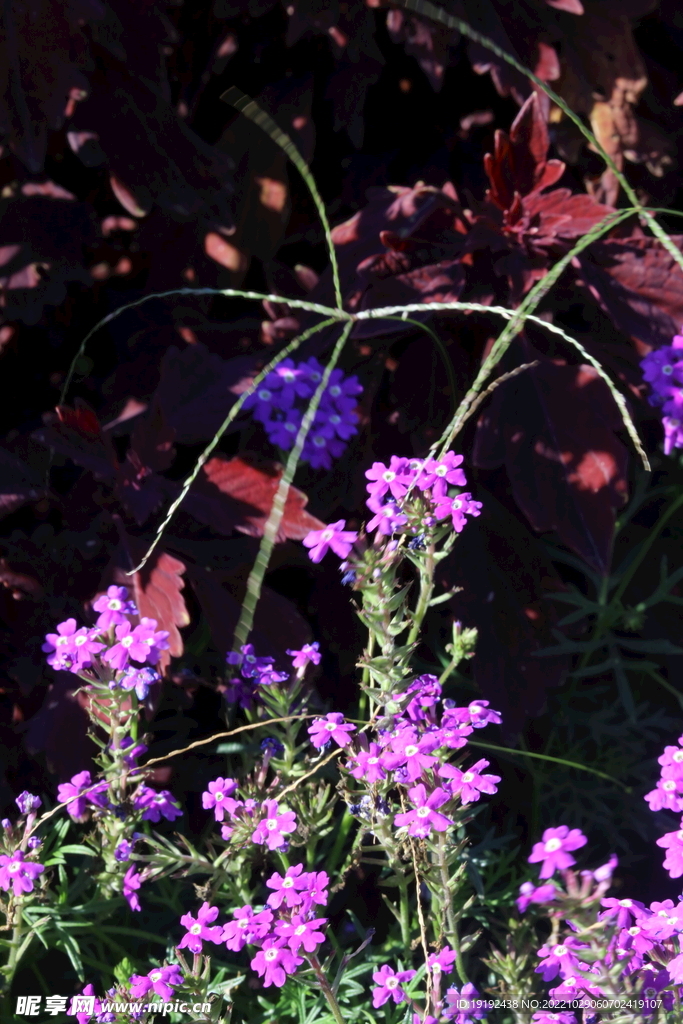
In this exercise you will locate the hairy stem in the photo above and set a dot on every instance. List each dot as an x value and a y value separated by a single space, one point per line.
326 989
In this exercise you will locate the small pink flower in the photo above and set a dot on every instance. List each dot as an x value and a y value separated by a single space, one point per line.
554 849
17 873
299 932
215 798
274 962
471 783
389 985
247 927
132 880
425 816
271 831
333 536
331 727
199 929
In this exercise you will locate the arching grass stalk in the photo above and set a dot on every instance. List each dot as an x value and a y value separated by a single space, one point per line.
250 108
255 581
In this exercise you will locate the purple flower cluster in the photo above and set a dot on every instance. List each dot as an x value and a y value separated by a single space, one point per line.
388 486
638 938
406 496
663 370
285 927
111 644
253 672
280 401
668 796
413 754
265 824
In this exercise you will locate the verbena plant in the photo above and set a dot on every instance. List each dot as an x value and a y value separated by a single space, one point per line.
307 798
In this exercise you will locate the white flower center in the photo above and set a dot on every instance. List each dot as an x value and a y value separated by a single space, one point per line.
678 756
411 750
196 929
423 812
265 395
634 931
335 391
80 640
114 605
156 976
441 470
669 785
288 883
389 476
14 867
625 903
271 824
300 930
271 954
467 777
61 640
330 726
218 797
327 535
560 951
391 983
552 845
243 922
127 641
373 760
650 993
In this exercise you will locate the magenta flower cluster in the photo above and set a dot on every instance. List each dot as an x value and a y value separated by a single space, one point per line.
112 645
280 401
668 796
284 928
413 754
663 371
647 942
390 498
267 824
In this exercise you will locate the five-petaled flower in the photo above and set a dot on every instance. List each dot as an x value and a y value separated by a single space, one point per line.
333 537
331 727
18 873
389 985
271 831
200 928
425 816
159 980
219 791
554 849
274 962
469 785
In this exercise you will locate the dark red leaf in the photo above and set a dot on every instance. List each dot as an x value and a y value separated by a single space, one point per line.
554 429
157 590
76 433
518 163
235 494
638 284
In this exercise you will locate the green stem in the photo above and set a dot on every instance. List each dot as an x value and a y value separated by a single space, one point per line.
326 989
404 903
451 923
15 950
426 591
